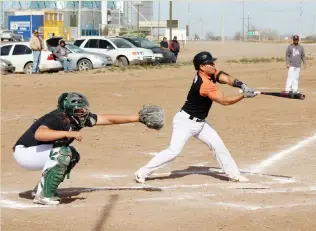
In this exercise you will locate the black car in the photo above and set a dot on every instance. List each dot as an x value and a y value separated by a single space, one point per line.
166 56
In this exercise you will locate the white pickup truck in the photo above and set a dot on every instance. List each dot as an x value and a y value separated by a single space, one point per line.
120 50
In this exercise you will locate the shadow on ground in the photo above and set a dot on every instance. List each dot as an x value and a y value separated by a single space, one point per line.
192 170
67 193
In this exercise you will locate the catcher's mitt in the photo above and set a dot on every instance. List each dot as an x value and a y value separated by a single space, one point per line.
152 116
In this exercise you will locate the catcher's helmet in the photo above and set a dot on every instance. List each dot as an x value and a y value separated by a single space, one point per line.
202 58
75 105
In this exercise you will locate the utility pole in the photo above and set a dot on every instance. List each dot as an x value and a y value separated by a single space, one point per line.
301 17
223 33
119 13
158 19
243 21
202 36
170 18
138 20
313 24
248 27
189 16
79 19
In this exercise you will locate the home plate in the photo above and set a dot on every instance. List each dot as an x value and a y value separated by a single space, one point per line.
247 186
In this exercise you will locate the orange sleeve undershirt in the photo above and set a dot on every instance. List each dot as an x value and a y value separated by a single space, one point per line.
208 89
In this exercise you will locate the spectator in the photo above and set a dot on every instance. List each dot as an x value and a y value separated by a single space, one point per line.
61 53
175 47
36 44
164 44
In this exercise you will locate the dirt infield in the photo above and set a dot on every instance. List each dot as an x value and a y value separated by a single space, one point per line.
273 141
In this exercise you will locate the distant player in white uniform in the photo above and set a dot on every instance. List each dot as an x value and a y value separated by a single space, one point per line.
190 121
294 56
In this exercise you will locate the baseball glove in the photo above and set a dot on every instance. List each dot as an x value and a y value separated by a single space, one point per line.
152 116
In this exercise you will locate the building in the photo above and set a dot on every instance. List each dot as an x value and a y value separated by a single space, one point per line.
48 22
95 15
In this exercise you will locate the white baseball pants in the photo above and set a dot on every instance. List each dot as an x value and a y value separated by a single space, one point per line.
183 129
292 79
32 158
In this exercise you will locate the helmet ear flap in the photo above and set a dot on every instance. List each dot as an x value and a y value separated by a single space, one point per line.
61 101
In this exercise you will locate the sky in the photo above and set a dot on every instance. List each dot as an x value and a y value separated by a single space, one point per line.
287 17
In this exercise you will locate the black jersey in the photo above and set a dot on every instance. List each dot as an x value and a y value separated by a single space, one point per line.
199 99
54 120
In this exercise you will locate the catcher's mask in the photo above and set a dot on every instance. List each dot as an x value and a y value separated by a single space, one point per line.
76 106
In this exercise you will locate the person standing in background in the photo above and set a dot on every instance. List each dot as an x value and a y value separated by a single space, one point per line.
175 47
294 56
36 44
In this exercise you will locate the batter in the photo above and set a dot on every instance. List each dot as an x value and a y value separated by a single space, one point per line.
190 120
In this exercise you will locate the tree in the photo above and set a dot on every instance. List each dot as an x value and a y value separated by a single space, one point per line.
209 35
196 36
237 36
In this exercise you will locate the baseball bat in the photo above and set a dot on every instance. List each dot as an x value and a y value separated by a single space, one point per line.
288 95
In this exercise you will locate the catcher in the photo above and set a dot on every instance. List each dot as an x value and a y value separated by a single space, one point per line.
46 144
190 120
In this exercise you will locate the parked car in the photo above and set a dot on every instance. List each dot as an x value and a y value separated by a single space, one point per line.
81 59
10 35
21 56
161 55
6 67
121 51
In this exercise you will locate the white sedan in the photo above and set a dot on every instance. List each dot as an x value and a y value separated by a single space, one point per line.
21 56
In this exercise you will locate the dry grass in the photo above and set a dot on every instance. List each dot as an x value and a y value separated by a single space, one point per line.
261 60
142 67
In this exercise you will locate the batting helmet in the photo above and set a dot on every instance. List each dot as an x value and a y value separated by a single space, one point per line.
202 58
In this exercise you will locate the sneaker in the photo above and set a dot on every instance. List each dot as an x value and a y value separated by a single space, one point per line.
139 179
46 200
34 194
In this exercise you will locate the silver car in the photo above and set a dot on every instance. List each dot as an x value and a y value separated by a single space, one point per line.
81 60
10 35
6 67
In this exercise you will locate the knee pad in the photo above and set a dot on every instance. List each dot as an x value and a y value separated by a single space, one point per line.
56 169
75 158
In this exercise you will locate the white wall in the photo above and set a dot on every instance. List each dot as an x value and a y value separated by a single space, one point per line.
181 34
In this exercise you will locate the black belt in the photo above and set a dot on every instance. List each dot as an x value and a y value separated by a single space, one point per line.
194 118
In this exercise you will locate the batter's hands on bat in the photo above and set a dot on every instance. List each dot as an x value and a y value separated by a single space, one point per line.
244 87
249 93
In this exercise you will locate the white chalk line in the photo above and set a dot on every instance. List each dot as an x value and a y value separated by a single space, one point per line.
110 176
258 207
17 205
5 203
241 206
149 153
280 155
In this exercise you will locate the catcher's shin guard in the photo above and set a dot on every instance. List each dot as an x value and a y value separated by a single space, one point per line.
60 163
